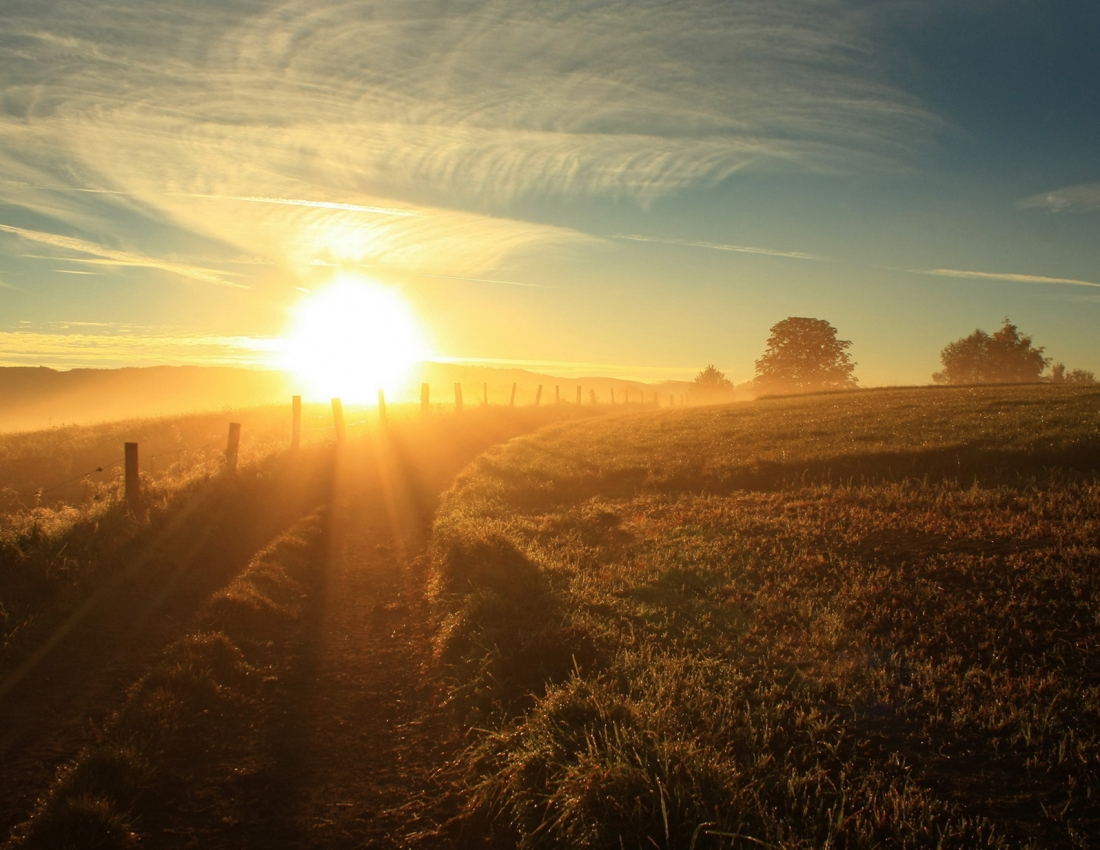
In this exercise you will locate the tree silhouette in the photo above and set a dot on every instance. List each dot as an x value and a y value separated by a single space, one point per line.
1059 375
711 384
804 354
1006 357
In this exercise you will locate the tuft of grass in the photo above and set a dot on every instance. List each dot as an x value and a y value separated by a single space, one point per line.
849 620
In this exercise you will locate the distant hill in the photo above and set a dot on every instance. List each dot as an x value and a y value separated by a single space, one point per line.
32 398
39 397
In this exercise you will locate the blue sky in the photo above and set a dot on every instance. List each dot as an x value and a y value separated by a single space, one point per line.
647 186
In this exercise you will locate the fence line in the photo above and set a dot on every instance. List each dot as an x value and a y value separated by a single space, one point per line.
297 430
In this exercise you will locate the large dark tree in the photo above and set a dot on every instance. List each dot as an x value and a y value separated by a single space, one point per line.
804 354
1006 357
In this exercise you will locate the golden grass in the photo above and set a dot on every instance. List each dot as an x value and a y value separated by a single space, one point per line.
847 620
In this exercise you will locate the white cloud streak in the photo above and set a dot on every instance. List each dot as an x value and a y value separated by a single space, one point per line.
111 257
74 350
317 205
1012 278
716 246
486 280
1081 198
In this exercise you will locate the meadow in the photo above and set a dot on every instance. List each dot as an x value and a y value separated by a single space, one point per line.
846 620
176 631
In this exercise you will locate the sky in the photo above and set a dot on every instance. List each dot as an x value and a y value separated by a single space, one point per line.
635 188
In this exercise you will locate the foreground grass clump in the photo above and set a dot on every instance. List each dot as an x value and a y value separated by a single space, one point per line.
848 620
193 708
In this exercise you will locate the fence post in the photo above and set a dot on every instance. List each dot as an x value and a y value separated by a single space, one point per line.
382 407
338 420
557 394
612 395
133 482
232 448
458 398
538 396
425 406
295 423
484 395
512 401
578 396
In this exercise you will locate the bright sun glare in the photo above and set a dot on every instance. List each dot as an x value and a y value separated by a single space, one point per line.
351 339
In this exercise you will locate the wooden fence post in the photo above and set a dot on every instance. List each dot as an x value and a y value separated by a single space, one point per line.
578 396
382 407
338 420
484 395
295 423
538 396
458 398
425 406
557 394
512 401
133 481
612 395
233 448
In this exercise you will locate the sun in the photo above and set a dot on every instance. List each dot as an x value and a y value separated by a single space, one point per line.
351 339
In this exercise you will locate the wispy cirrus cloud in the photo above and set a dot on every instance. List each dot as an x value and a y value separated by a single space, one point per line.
717 246
464 109
111 257
1084 197
1012 278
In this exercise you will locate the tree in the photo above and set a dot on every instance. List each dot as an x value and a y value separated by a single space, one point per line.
804 354
711 385
1006 357
1059 375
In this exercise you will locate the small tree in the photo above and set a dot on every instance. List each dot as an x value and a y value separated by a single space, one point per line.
1006 357
711 385
1059 375
804 354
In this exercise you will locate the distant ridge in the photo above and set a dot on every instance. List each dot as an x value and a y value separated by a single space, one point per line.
40 397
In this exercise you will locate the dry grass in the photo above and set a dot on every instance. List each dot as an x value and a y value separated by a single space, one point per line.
848 620
204 686
81 465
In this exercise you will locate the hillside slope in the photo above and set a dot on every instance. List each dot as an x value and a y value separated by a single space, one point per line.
849 620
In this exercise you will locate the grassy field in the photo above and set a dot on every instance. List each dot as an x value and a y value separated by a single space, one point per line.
80 465
90 594
846 620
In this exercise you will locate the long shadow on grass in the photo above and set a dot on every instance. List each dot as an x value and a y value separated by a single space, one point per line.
982 464
141 600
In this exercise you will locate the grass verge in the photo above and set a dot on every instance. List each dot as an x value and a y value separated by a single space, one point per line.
189 709
55 564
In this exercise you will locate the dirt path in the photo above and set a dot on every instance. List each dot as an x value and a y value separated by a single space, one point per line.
373 739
